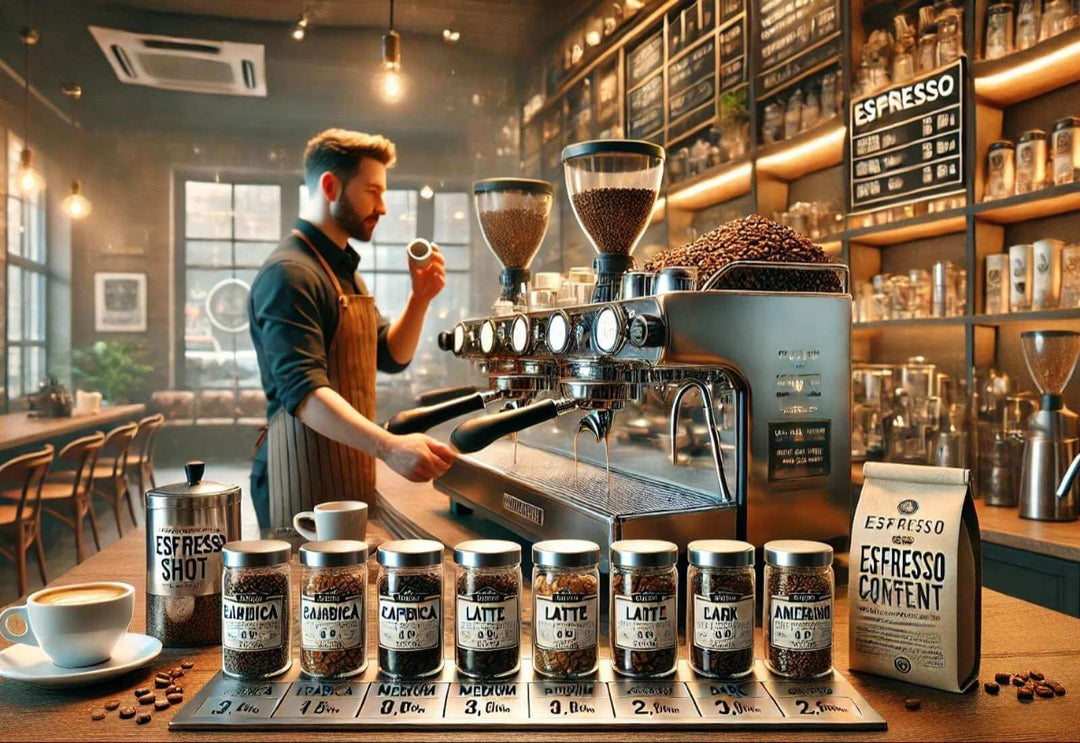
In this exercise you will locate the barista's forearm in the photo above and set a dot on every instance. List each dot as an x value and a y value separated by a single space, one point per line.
404 334
328 413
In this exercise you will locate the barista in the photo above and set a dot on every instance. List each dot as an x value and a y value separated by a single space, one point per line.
319 340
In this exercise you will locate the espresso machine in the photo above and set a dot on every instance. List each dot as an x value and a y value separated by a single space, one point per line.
663 408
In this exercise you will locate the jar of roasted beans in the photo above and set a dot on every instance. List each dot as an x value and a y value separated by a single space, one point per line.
487 613
410 587
566 607
333 608
644 620
256 609
720 607
798 608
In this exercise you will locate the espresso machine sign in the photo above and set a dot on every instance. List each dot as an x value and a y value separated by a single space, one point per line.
907 142
798 450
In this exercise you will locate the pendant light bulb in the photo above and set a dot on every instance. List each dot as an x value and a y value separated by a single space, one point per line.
391 84
75 205
300 29
27 179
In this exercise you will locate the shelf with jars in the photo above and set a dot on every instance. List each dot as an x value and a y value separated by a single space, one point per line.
1010 73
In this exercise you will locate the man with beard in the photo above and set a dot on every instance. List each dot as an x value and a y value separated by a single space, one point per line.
319 340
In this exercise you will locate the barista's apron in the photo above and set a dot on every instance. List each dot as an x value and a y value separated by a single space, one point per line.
305 467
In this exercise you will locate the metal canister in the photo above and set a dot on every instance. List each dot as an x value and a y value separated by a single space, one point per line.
1000 170
187 524
1031 154
1065 146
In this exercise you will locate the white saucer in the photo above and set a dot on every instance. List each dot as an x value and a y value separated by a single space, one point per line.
31 664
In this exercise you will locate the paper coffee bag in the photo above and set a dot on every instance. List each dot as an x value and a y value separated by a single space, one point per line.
915 578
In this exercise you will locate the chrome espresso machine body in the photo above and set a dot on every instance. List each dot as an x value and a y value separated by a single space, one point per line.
764 453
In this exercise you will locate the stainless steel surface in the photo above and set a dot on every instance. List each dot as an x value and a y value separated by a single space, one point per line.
676 279
1050 445
839 269
1069 480
410 553
710 423
637 284
526 701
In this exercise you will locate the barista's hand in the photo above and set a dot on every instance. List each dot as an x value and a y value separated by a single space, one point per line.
416 457
428 281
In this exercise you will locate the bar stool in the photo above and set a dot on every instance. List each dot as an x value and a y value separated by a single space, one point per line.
72 490
20 511
110 473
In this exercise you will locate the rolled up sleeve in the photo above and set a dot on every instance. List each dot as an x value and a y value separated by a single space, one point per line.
289 316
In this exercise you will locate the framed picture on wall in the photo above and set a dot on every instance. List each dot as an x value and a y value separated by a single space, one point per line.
120 302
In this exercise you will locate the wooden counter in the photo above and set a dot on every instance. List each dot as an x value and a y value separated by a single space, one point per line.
19 429
1016 635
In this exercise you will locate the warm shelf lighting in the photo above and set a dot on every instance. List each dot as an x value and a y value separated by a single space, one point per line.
1033 76
717 183
658 210
75 205
808 150
300 29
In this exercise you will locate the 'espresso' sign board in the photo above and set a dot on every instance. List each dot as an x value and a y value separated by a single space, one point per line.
907 141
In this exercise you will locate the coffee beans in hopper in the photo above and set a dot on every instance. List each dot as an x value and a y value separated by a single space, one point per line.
514 234
614 217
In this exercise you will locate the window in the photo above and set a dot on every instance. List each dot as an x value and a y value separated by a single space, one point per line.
453 234
27 270
229 229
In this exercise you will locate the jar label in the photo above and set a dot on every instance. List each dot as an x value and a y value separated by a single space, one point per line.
185 560
252 622
566 621
646 621
487 620
409 621
724 621
329 621
801 621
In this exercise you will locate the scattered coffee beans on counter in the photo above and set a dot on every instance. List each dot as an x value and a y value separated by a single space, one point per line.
515 234
1003 678
141 691
187 665
112 704
161 704
1036 675
175 689
614 217
913 704
143 718
410 596
174 698
1059 690
162 682
147 699
1017 681
97 714
991 687
1025 694
1044 691
127 713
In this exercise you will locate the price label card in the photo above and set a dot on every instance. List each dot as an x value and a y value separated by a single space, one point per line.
570 708
655 708
226 687
237 708
728 707
406 702
490 701
649 689
746 690
320 708
823 688
574 689
819 708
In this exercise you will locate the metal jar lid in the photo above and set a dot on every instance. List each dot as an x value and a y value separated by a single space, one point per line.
566 553
487 553
643 553
1002 144
798 553
334 553
410 553
524 185
194 494
256 553
720 553
1032 135
1069 122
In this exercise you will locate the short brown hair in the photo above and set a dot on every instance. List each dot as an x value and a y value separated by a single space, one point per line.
340 151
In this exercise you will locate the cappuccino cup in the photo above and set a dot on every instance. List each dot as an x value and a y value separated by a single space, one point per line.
339 519
77 625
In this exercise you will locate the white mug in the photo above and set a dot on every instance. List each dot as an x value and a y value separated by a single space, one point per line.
419 251
79 630
339 519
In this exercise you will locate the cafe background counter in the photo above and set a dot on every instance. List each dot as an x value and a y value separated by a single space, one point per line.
1016 636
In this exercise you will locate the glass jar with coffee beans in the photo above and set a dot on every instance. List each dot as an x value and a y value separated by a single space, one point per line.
644 591
798 608
720 607
256 609
333 608
487 613
410 587
566 607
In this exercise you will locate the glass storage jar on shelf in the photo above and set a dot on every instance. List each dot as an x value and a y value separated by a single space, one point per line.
410 596
487 613
798 609
720 608
644 630
566 607
256 609
333 608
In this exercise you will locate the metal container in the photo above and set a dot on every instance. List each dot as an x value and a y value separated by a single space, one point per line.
636 284
676 279
187 525
1031 156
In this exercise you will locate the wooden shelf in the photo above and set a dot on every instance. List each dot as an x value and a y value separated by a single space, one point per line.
1048 65
832 247
1020 317
928 225
723 183
922 322
1043 203
821 147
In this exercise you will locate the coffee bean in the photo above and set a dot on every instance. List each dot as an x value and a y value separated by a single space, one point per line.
147 699
161 704
991 687
143 718
141 691
187 665
127 713
97 714
1036 675
174 698
912 704
112 704
176 672
1059 690
1017 681
1044 691
162 682
175 689
1025 693
1003 678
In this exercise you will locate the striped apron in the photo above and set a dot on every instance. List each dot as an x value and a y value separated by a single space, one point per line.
305 467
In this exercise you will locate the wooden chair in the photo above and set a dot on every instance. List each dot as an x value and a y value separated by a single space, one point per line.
110 472
20 510
140 461
68 496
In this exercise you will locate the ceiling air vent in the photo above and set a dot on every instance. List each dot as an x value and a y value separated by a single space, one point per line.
193 65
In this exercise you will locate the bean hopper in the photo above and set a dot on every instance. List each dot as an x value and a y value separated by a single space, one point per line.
1051 439
613 185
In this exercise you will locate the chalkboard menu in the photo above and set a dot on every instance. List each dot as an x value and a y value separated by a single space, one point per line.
733 55
907 141
645 59
691 68
698 94
788 27
645 108
608 100
780 75
729 9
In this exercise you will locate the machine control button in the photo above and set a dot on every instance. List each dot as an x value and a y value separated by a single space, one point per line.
488 336
558 333
520 335
459 338
445 340
647 331
609 330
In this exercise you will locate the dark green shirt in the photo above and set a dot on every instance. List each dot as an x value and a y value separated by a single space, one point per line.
294 315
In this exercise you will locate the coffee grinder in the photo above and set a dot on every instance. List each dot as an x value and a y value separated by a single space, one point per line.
1051 439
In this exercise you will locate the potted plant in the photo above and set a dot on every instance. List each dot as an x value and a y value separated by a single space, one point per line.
117 369
734 124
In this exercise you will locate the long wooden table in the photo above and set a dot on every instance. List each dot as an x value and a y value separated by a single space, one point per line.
19 429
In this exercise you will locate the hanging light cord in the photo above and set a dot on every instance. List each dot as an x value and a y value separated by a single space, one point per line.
391 15
26 94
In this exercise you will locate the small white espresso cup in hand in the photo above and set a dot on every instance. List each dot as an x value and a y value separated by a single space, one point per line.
419 251
77 625
339 519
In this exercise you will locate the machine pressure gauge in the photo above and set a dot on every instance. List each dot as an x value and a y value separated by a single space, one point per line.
520 336
459 338
609 330
487 336
558 333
